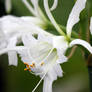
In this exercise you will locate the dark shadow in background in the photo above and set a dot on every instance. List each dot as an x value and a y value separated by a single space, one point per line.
90 75
2 67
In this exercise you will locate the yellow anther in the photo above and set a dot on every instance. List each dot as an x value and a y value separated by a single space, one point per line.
25 69
29 70
27 66
42 63
32 65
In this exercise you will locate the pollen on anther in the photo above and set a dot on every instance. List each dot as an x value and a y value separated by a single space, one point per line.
42 63
29 70
25 69
32 65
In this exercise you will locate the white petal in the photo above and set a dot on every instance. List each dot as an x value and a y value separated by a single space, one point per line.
61 57
47 86
12 55
25 56
34 20
57 68
37 50
19 25
44 38
59 42
48 80
54 5
8 6
28 40
74 15
91 25
83 43
3 40
52 75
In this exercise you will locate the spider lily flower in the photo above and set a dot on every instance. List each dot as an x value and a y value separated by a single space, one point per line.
8 6
42 57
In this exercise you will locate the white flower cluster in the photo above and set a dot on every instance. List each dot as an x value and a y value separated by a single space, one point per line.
43 54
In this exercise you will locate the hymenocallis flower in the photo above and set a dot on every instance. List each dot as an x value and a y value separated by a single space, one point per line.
43 54
42 57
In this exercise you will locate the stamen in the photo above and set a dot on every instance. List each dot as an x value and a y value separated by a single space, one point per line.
32 65
29 7
39 82
50 16
42 63
54 5
25 69
29 70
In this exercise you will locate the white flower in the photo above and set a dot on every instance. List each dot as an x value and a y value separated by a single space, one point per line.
43 55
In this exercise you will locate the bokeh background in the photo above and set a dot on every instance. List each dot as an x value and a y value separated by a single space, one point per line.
77 70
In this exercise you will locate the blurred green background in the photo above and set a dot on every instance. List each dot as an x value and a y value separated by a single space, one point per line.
76 77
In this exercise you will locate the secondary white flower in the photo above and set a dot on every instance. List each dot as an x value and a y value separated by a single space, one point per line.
11 30
8 6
